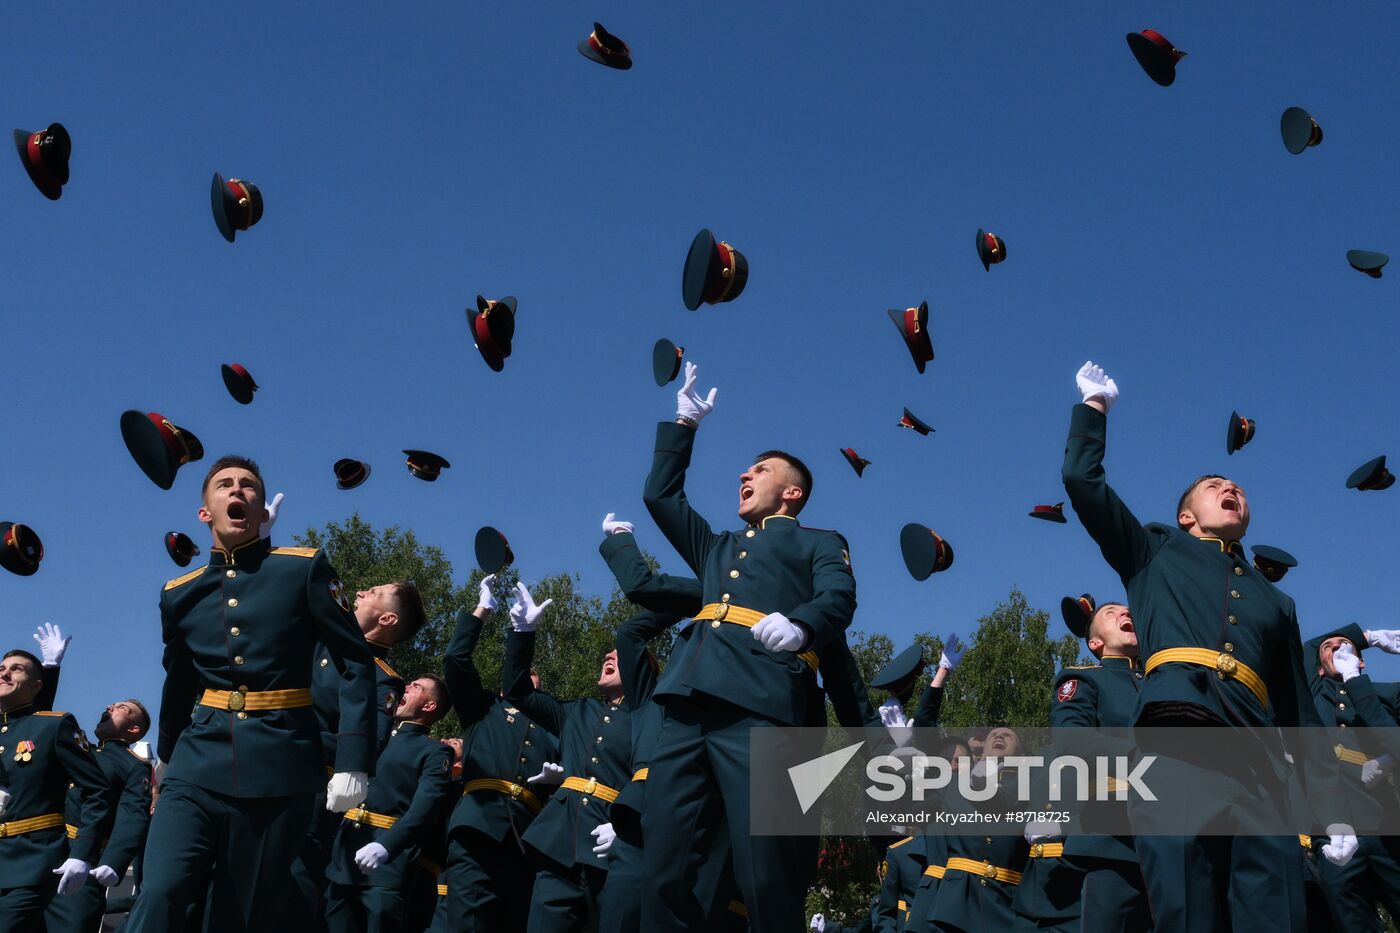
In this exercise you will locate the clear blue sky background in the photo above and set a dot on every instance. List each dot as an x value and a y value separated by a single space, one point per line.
413 155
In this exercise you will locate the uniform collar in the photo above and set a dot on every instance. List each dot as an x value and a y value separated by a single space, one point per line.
411 726
1118 660
250 554
379 651
120 743
7 715
780 523
1226 547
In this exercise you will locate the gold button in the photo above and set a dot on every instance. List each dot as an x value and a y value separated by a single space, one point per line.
230 574
325 661
1234 594
238 659
715 624
607 719
527 742
600 740
1229 647
1340 725
989 840
1341 706
4 728
1239 571
734 574
749 533
71 785
724 598
743 554
242 715
2 749
522 759
235 631
585 801
232 602
532 725
1231 619
984 882
595 760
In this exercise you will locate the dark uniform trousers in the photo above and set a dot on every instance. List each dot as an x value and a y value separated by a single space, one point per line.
22 909
720 684
489 874
232 813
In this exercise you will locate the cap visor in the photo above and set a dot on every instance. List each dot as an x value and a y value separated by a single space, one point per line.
217 193
697 265
147 448
1159 64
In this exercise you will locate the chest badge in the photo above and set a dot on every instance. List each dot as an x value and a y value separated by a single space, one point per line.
24 751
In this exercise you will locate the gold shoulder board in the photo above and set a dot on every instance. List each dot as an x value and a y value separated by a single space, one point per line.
296 551
49 712
185 579
386 668
896 845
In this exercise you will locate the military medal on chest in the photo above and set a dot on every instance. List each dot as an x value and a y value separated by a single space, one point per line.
24 751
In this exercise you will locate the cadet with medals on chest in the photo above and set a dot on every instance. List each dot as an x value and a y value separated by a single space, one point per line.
775 596
236 720
1222 649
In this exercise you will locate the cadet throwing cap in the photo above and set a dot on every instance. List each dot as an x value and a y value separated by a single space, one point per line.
1371 475
493 553
239 382
424 465
606 49
1078 612
1156 55
180 548
1240 432
925 553
991 249
237 205
912 324
158 446
715 272
1299 130
1050 513
857 462
492 325
1272 562
913 423
907 662
45 155
20 549
1364 260
350 473
666 361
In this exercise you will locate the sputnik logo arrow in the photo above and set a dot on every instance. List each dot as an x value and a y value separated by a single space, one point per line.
811 778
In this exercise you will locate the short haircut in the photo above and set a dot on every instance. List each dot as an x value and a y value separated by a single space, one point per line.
228 461
1181 503
143 716
21 653
410 609
804 475
440 695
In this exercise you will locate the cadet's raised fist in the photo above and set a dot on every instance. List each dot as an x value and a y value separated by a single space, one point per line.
1341 845
1094 383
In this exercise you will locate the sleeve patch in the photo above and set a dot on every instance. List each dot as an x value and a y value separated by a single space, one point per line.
342 598
846 556
80 740
1067 690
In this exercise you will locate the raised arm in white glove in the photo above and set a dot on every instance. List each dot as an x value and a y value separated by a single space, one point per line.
485 598
892 713
105 875
1346 661
611 527
72 875
777 633
1341 845
690 407
524 614
346 789
370 856
52 644
550 773
953 649
1386 639
819 923
604 835
1375 769
265 529
1094 383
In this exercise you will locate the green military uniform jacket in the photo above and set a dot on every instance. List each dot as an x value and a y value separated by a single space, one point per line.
499 742
776 566
43 753
128 780
326 683
905 862
411 782
638 684
595 743
1189 592
252 618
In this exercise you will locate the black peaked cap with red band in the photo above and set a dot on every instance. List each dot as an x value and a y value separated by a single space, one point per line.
991 249
925 551
159 446
605 48
1241 432
714 272
912 324
1078 612
237 205
493 552
492 325
20 549
45 154
1157 56
239 382
350 473
181 548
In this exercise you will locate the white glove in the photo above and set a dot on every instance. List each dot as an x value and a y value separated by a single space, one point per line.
346 789
1094 383
953 649
72 875
265 529
979 770
778 634
1375 769
104 875
819 923
524 614
1039 832
550 773
52 644
689 404
1342 844
370 856
485 599
1386 639
892 713
603 835
611 527
5 798
1346 662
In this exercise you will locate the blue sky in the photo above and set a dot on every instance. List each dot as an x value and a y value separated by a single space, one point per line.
413 155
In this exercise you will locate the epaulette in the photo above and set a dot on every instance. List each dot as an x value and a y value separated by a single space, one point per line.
830 531
1083 667
383 666
49 712
295 551
170 585
896 845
